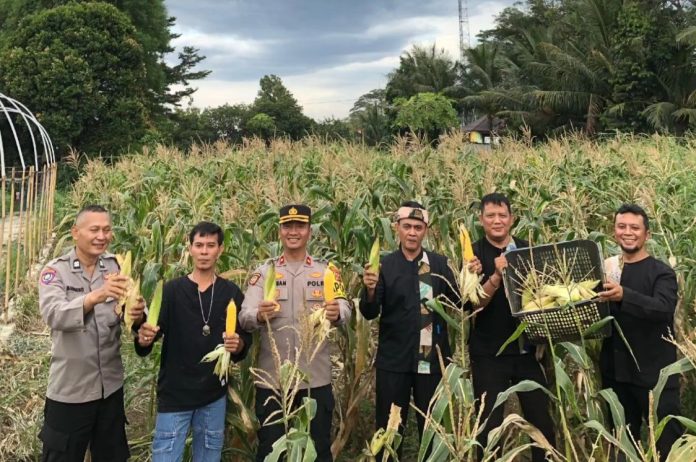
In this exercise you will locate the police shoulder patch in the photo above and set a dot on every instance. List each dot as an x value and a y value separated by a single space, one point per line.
48 275
254 278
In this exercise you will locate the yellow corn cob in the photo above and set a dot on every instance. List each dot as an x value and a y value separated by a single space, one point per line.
333 286
374 256
465 241
231 319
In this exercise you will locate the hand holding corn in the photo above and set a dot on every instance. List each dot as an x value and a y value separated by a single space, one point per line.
267 311
370 279
147 334
233 343
136 312
475 266
333 311
115 287
613 292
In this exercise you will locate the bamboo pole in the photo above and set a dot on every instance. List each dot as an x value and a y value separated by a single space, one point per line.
42 216
2 231
9 247
29 233
40 225
22 216
52 198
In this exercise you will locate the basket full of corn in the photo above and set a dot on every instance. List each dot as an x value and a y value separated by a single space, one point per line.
553 288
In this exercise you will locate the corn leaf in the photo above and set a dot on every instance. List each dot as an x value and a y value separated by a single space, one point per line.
515 335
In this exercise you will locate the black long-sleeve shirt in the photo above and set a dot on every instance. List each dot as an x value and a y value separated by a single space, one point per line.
398 300
645 315
494 324
184 382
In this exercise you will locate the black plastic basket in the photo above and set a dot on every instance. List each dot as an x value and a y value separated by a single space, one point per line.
563 323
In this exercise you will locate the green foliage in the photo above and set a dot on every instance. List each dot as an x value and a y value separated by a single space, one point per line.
276 101
422 70
369 117
261 125
427 113
587 65
81 69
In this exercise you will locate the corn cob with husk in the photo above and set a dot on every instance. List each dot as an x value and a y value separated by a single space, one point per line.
557 295
222 357
374 257
124 304
269 286
384 437
469 281
154 310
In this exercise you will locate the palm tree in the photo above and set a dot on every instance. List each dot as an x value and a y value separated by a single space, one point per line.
423 70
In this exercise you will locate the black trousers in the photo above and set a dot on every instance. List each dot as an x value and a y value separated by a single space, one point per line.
397 387
635 401
320 426
68 428
492 375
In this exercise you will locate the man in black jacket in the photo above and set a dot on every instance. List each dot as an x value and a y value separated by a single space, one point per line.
493 324
409 333
644 298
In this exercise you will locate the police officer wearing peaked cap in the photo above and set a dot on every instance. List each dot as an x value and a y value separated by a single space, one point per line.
299 287
78 295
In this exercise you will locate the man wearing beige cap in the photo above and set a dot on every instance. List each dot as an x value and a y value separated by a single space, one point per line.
299 288
409 333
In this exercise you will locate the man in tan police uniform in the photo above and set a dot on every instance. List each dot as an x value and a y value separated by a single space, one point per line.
78 294
299 283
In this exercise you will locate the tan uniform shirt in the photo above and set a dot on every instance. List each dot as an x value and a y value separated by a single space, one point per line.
297 291
85 355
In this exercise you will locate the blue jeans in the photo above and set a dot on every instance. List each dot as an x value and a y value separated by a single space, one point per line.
208 424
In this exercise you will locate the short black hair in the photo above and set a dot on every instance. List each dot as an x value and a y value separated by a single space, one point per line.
206 228
495 198
90 208
635 209
413 204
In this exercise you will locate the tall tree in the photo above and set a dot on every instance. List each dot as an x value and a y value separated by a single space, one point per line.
369 117
152 31
276 101
423 70
80 67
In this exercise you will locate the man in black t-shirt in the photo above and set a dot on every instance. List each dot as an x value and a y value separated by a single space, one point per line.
643 292
409 333
493 324
192 321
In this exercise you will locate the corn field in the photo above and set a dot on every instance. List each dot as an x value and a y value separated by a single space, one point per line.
565 189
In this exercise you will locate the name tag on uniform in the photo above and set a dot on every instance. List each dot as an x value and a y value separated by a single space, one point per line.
423 367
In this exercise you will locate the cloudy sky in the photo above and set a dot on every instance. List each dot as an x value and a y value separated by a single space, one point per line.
327 52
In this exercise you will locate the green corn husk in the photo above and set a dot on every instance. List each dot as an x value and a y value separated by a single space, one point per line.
154 311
